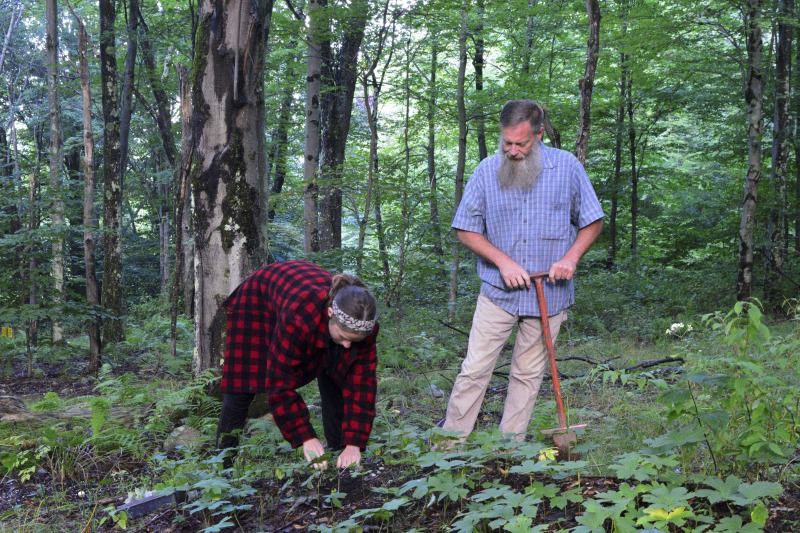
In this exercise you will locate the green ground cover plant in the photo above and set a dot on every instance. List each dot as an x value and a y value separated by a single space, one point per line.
703 443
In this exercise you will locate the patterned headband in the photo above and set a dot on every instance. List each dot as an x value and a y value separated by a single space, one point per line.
357 326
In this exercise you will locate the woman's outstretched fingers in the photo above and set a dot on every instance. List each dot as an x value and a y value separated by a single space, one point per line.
350 456
313 448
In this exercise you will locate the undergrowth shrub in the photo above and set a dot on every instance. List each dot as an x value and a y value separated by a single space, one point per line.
737 411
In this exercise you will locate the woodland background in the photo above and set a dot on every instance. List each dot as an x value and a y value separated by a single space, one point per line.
139 141
154 153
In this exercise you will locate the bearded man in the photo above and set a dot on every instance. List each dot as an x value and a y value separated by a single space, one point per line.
527 208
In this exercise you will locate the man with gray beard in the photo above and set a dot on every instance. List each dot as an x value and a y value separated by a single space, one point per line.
527 208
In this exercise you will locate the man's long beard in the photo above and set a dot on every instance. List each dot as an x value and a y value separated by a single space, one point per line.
520 173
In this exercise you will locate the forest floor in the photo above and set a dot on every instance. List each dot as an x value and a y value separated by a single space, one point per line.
286 505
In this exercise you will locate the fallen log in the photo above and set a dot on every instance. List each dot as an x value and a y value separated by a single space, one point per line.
637 366
13 409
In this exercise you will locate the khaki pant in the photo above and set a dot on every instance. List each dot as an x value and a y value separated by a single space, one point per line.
491 327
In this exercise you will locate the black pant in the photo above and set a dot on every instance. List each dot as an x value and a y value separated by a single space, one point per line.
233 417
332 403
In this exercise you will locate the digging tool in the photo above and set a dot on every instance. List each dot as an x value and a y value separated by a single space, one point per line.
563 436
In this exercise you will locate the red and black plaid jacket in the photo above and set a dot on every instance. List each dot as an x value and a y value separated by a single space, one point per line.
278 341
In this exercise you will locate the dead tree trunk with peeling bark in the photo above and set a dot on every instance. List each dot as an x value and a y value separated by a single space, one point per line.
228 161
754 98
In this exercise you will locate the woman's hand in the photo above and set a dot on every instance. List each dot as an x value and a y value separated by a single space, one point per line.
313 448
350 456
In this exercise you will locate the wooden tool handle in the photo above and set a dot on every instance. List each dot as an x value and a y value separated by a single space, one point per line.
551 352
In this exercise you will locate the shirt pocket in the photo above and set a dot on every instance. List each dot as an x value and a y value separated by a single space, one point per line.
554 217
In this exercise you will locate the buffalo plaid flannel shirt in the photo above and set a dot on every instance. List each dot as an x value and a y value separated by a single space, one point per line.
278 340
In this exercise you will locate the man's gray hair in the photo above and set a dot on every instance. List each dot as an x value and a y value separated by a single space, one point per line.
515 112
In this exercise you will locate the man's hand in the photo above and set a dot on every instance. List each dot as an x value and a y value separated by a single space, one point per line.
313 448
514 276
565 267
350 456
562 269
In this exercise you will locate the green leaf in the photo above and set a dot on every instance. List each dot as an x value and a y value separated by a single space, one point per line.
669 498
717 420
722 490
395 504
777 450
630 466
595 515
759 515
675 396
420 487
760 489
689 434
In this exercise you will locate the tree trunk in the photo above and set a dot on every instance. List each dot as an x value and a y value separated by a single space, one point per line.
339 78
279 145
228 161
126 110
380 232
400 263
311 161
433 192
11 219
477 64
552 133
184 247
617 178
587 83
183 217
796 141
634 172
162 193
530 32
113 329
777 228
16 16
462 154
754 98
371 106
162 115
57 203
92 299
32 328
372 168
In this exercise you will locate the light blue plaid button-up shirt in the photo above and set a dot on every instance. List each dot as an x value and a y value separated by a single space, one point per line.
534 227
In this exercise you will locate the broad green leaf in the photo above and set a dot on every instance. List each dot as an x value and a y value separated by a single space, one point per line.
760 489
722 490
759 515
675 396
